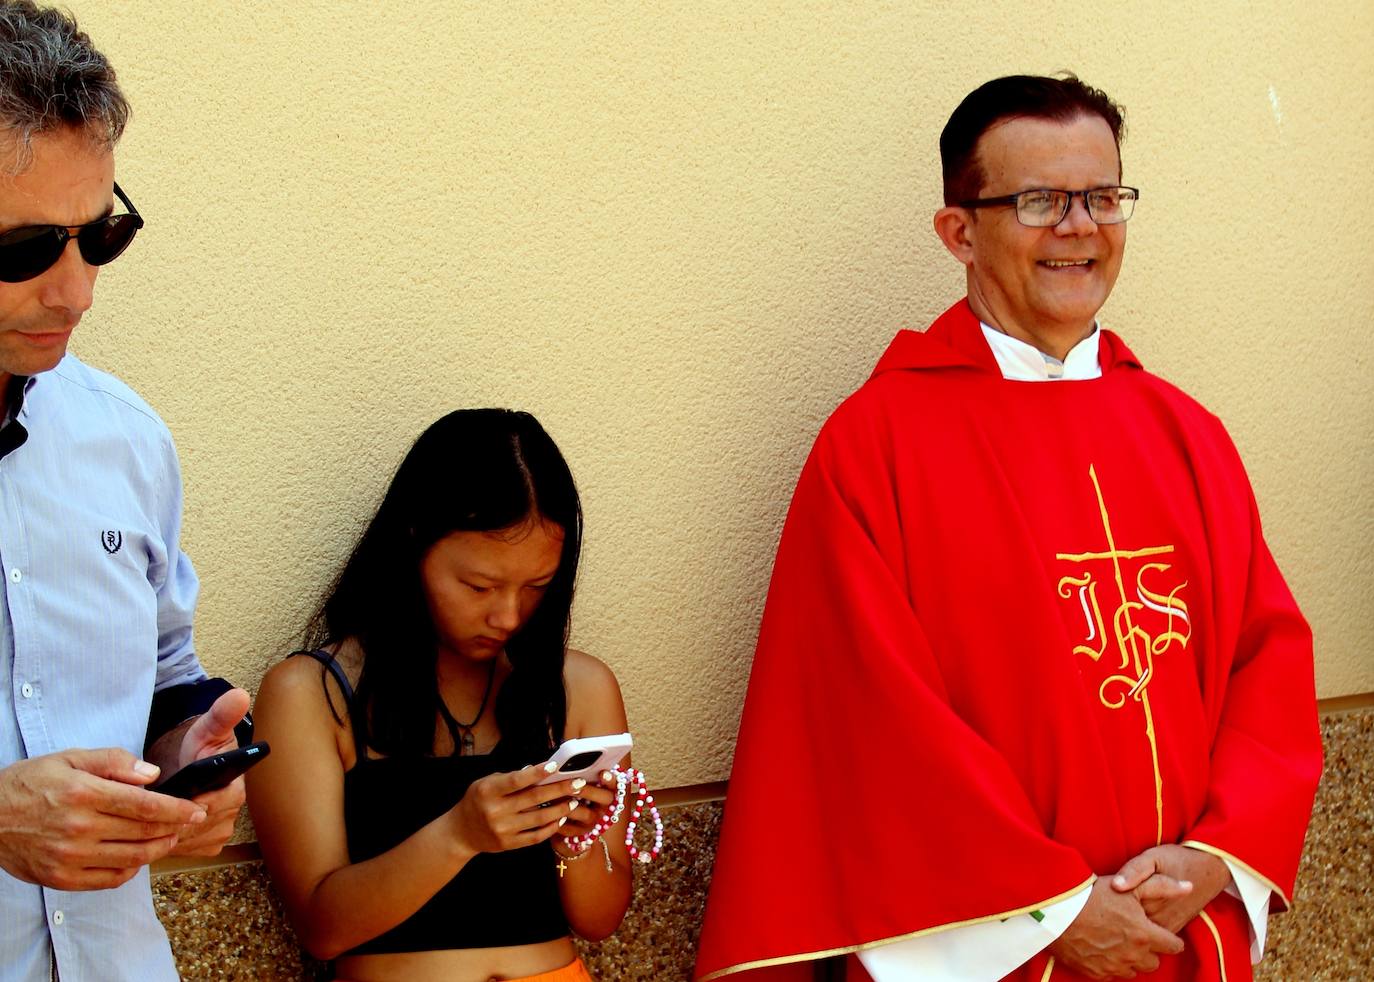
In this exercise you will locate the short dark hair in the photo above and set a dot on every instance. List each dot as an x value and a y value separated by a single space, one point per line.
1036 96
483 470
52 77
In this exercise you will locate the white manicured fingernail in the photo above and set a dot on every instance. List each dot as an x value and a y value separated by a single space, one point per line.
572 805
579 784
550 767
562 820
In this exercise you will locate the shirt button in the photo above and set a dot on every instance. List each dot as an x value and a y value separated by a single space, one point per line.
15 575
26 691
58 917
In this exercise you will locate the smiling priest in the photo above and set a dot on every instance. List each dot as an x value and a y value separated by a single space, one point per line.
1031 699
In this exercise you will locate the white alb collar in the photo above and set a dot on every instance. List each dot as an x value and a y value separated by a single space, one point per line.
1021 362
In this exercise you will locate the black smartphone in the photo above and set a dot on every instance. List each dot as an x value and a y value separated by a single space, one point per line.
213 772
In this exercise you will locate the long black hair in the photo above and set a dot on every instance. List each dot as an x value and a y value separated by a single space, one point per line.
475 470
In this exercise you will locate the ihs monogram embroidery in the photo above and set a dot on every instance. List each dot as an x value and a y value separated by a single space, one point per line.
1136 646
111 540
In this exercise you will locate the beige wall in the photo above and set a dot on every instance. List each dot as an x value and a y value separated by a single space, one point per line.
680 233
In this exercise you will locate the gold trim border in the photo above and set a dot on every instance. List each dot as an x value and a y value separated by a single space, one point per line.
851 949
1216 939
1223 854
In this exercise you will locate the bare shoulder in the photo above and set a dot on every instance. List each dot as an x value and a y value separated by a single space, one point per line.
291 677
581 669
594 702
302 683
301 711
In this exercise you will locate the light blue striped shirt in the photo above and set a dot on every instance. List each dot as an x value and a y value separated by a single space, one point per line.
96 601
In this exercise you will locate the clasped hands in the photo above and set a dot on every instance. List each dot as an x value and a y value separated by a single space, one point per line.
1132 918
86 820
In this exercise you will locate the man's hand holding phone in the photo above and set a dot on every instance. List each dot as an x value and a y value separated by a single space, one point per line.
209 734
81 819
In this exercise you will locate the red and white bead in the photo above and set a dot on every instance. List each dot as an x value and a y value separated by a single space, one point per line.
643 799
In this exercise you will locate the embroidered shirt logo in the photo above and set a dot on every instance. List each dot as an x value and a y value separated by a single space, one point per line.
111 540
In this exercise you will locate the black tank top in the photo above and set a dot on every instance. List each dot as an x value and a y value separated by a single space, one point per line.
502 898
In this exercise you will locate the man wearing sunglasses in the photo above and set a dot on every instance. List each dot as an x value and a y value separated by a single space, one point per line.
100 688
1031 699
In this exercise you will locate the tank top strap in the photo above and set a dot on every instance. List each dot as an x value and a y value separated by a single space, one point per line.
336 670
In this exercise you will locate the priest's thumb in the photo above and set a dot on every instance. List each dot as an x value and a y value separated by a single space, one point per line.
1134 873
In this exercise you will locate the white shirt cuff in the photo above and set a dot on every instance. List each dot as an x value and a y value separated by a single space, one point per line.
989 951
1254 894
976 953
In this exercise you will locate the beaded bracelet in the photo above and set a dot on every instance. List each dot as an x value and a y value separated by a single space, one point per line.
643 799
563 861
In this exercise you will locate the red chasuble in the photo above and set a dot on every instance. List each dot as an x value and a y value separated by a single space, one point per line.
1017 633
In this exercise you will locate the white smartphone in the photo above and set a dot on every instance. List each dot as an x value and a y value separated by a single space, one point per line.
587 757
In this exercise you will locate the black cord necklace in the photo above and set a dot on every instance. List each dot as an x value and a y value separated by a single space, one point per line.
463 731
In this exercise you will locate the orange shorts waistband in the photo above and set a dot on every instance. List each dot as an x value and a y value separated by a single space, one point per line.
573 972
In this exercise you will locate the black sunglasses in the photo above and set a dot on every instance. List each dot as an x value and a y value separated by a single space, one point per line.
34 249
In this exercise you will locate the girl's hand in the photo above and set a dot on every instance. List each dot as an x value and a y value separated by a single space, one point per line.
511 810
594 801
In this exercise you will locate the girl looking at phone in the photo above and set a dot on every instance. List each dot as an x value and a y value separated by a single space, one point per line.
401 814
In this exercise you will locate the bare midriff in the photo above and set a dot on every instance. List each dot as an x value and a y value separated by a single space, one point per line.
458 964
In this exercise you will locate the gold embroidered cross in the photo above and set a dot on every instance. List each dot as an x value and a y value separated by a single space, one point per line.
1136 646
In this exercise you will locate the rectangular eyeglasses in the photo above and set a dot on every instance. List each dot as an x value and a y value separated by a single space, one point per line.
1045 207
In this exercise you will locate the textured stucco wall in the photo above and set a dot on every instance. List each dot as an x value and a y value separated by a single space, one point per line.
680 233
